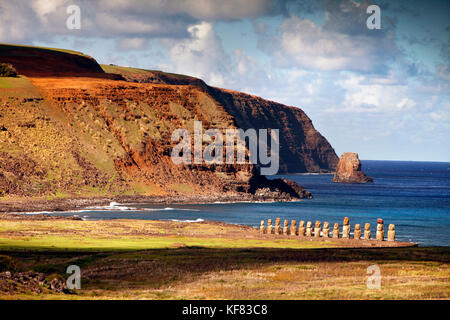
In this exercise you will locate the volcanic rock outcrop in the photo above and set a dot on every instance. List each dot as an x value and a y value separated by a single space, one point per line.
349 170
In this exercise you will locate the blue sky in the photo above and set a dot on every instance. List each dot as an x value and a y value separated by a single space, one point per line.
382 93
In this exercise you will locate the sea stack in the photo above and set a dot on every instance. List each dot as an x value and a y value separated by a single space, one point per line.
349 170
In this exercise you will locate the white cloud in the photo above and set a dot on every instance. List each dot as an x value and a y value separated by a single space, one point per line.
200 56
443 72
244 64
196 9
43 8
127 25
364 96
132 44
405 104
13 22
228 10
303 43
440 116
41 20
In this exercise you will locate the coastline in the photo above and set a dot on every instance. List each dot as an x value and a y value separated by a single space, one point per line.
24 205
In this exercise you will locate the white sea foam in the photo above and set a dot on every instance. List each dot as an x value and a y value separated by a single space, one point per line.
260 201
190 221
168 209
228 202
33 212
113 206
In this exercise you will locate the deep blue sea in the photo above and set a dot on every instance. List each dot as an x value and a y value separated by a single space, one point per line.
415 196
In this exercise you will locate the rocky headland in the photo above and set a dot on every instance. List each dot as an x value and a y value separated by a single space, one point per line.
71 128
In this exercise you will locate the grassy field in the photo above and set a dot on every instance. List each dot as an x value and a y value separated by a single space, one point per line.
14 82
130 259
132 71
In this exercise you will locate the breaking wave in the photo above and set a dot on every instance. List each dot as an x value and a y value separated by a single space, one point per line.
187 220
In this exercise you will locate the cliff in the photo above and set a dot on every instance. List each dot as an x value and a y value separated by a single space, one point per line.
349 170
70 128
302 147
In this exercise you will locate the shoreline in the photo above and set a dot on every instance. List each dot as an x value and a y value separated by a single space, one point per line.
47 209
24 205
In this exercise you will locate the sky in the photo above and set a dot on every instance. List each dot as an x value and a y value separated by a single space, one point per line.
384 93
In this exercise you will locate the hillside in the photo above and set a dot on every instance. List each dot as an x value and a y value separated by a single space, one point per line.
43 62
68 128
302 147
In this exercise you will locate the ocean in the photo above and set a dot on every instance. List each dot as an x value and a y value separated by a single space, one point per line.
415 196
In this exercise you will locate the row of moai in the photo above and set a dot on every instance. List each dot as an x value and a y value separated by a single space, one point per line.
317 231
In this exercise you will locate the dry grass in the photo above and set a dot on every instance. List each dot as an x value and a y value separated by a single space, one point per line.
132 259
326 280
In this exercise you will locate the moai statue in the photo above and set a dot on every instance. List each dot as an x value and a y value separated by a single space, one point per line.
277 226
317 229
262 228
286 228
357 232
301 228
326 230
380 230
346 228
309 229
336 230
293 227
391 232
269 226
367 231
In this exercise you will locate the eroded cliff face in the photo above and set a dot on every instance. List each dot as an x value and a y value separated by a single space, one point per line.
302 147
65 133
349 170
97 136
115 135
